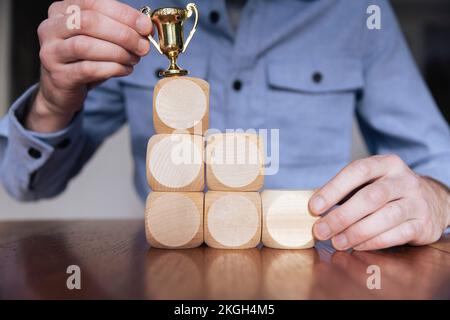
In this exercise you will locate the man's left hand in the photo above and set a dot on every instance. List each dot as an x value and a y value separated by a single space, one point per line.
385 204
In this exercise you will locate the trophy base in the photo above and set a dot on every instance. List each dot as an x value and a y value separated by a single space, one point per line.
173 73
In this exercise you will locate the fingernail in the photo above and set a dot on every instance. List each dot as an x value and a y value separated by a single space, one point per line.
135 60
143 24
322 230
318 203
129 69
143 46
341 241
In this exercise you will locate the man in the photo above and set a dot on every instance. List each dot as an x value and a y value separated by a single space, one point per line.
305 67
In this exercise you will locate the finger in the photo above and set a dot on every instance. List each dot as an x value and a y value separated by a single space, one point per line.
94 71
391 215
364 202
55 9
113 9
351 177
86 48
402 234
98 26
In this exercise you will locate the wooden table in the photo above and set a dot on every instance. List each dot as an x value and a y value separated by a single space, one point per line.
116 263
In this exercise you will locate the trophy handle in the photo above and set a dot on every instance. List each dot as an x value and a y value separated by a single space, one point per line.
191 8
147 11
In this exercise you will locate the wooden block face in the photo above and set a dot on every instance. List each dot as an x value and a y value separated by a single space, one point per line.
287 222
175 162
232 219
174 219
234 162
181 103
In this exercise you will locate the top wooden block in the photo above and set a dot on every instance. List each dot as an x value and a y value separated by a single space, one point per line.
181 103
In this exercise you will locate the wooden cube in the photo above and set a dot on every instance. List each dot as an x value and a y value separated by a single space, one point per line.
174 219
175 162
181 103
234 162
287 222
232 219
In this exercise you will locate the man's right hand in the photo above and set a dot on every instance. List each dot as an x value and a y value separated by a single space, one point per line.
110 41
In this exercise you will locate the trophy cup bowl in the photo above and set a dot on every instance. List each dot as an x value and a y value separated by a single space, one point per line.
169 25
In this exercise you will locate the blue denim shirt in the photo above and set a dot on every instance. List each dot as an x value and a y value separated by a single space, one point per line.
306 67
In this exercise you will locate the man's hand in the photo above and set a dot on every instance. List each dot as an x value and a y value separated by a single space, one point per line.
110 41
388 205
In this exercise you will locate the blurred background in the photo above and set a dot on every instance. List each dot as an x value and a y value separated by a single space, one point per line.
104 188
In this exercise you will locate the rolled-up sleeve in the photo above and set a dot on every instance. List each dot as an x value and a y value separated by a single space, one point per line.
23 153
397 113
39 165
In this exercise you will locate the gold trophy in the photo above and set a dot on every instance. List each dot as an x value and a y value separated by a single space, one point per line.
169 24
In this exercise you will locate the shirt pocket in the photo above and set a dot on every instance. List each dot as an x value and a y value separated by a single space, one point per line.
311 99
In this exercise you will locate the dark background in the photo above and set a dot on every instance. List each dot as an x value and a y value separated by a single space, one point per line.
426 24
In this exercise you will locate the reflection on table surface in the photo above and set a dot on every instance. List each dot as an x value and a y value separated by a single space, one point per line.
116 263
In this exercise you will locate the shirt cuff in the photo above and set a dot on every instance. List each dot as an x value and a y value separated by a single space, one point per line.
38 146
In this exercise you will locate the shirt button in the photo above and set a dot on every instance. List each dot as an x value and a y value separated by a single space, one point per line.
158 72
237 85
359 95
214 17
34 153
317 77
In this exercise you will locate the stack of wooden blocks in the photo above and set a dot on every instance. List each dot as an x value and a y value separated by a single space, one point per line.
232 214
